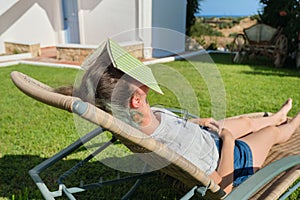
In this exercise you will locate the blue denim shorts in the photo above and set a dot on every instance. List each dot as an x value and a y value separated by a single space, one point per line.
243 161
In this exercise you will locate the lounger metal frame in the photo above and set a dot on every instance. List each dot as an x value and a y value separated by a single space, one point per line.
62 189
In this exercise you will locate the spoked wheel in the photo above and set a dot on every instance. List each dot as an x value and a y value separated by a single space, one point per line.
238 43
237 47
281 50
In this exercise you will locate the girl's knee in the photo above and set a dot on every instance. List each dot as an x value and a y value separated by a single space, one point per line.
273 129
248 122
275 132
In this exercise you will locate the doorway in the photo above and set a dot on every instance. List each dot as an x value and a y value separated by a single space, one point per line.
70 18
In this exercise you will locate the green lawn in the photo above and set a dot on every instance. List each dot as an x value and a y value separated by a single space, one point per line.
31 131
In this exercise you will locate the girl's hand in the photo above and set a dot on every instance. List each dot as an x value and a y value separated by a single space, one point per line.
226 135
211 123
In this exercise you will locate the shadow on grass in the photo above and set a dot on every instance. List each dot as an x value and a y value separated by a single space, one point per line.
260 65
15 182
227 58
222 58
264 71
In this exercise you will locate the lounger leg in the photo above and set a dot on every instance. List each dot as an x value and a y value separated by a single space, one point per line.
34 173
189 194
132 190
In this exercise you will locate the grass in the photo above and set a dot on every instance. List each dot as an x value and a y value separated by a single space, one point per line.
31 132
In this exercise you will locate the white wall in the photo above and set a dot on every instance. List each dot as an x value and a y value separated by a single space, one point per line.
40 21
30 21
145 26
169 15
5 5
106 18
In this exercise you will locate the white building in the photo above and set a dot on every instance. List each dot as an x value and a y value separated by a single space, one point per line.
88 22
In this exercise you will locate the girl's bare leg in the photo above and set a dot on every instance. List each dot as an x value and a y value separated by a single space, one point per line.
242 126
260 142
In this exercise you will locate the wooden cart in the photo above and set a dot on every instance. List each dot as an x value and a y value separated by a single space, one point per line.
261 39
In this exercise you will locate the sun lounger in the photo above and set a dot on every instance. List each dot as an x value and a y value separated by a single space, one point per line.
280 171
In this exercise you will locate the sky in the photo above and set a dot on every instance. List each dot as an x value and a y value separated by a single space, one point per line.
229 7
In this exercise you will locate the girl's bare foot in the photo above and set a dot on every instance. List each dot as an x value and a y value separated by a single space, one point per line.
281 115
288 129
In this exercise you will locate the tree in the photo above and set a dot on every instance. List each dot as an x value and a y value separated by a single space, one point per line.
192 7
284 14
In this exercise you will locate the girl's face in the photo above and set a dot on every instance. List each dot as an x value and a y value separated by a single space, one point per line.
140 104
144 91
141 92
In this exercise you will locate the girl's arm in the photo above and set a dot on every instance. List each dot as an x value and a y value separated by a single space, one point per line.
226 165
211 123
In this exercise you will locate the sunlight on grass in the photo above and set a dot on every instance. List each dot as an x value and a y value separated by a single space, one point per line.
31 131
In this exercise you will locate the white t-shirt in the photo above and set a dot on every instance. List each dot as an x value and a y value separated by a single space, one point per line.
187 139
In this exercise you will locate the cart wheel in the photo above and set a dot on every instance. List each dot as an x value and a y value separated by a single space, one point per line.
239 57
238 43
237 47
281 49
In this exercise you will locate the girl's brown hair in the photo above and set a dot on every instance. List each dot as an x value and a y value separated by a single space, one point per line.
105 86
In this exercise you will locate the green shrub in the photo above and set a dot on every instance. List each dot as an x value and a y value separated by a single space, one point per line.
212 46
200 41
232 35
200 29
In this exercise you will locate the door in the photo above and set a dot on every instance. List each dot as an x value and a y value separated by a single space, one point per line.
71 25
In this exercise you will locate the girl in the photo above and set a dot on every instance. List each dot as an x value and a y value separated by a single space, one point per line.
228 156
